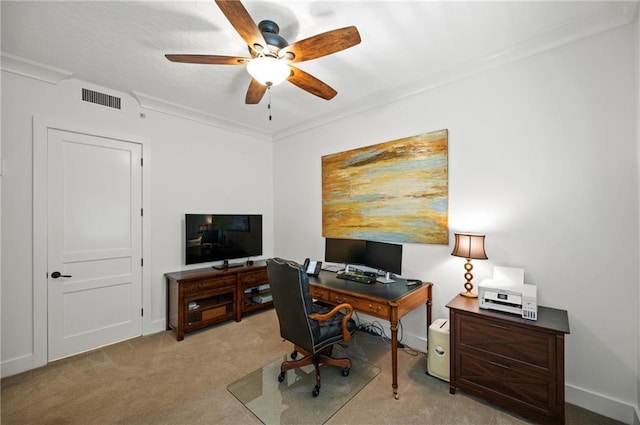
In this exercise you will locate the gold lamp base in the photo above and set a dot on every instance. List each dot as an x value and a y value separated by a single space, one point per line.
468 294
468 286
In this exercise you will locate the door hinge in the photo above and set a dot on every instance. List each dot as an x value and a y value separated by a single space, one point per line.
142 262
142 312
141 212
141 162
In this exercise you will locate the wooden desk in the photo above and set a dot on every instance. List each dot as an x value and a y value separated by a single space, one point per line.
390 301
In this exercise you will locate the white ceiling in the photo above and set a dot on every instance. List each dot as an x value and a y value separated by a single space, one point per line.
407 47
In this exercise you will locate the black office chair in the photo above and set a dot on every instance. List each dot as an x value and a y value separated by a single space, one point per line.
312 328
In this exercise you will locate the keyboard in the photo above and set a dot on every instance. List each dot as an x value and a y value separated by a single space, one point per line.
356 277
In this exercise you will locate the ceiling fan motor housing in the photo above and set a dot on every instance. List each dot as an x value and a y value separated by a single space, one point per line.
270 30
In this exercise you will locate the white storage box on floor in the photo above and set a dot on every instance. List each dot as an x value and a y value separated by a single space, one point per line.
438 356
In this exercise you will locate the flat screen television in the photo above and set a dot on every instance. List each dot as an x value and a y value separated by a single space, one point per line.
222 237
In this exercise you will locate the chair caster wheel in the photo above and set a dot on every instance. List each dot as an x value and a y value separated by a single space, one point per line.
294 354
316 391
281 377
345 371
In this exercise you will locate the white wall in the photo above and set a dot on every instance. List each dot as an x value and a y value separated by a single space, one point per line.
194 168
637 28
542 159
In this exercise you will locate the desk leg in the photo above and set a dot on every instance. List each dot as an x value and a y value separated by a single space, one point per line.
394 358
393 324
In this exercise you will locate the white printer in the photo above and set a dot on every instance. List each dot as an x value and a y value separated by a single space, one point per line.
507 292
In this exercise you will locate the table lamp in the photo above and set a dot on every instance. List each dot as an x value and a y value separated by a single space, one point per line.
471 247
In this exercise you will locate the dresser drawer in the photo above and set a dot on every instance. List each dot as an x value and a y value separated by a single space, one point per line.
371 307
497 380
255 278
319 293
377 309
197 286
515 345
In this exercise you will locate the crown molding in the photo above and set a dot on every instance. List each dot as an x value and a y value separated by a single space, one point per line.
32 69
48 74
181 111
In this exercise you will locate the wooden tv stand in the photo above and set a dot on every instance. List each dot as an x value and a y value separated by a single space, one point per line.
203 297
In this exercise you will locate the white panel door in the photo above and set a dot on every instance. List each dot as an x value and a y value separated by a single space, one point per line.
94 242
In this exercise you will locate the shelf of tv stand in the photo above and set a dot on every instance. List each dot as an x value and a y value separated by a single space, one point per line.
249 284
220 295
211 309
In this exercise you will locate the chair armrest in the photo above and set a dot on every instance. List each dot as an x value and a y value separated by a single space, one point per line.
346 336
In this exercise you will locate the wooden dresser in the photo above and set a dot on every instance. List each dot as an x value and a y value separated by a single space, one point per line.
509 361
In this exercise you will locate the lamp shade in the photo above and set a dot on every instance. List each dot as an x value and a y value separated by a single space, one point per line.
268 70
469 246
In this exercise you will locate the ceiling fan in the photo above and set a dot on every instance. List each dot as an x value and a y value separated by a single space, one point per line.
272 56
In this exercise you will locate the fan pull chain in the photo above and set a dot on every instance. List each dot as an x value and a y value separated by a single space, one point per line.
269 104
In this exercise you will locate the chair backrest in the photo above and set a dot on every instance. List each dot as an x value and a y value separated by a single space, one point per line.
291 298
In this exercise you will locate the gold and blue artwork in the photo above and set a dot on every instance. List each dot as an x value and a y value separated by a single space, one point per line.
395 191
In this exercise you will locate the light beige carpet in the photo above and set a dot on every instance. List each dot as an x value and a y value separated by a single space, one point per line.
157 380
290 401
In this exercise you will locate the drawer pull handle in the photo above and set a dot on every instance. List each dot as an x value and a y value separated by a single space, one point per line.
500 365
372 308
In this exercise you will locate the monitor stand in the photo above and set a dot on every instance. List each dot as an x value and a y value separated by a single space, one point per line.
226 265
385 279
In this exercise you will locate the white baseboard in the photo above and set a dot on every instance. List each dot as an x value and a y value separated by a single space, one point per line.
603 405
28 361
417 342
158 325
18 365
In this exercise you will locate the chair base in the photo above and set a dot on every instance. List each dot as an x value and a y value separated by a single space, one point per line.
323 357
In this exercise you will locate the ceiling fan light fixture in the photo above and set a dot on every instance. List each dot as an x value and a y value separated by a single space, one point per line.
268 70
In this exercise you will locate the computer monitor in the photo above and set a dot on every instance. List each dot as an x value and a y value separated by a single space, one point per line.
346 251
384 256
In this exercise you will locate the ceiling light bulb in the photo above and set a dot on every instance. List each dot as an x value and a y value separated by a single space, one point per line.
268 70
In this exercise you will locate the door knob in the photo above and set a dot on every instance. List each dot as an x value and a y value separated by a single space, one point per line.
56 275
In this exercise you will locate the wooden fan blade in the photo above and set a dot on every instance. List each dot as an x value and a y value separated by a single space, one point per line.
209 59
255 92
311 84
322 44
243 23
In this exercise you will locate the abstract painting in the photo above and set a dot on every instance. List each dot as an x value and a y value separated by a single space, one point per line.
395 191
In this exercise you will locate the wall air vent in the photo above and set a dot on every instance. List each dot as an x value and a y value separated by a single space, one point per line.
100 98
